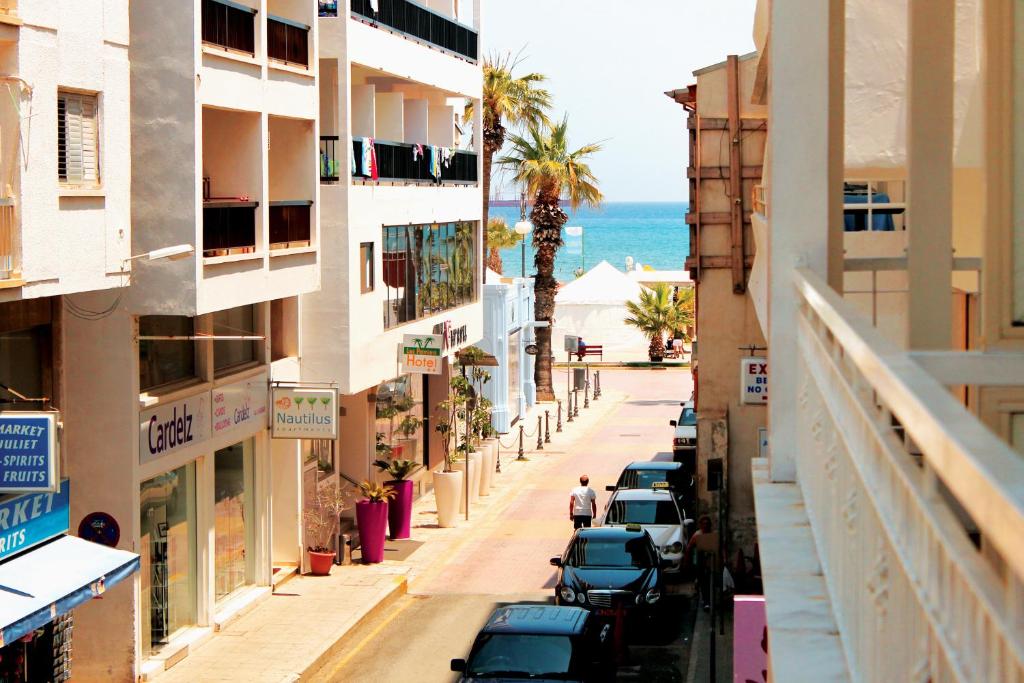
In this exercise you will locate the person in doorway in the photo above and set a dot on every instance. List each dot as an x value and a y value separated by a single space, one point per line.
582 504
702 559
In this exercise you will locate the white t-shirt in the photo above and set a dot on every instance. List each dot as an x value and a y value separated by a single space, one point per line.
581 500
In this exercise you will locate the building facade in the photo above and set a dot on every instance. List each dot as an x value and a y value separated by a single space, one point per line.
508 331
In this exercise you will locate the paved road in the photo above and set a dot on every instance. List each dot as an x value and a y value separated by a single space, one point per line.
437 621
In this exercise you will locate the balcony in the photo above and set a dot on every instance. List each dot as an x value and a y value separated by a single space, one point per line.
229 227
421 24
916 509
290 226
403 162
287 42
330 164
229 26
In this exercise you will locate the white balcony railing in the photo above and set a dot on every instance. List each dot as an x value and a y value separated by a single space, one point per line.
917 509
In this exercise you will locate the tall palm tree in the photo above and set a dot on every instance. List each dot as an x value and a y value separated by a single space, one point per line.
544 164
507 100
657 313
499 236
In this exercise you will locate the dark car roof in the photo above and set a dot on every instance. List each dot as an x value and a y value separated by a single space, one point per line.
537 620
610 533
654 465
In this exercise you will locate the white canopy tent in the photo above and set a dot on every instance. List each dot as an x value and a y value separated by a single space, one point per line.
594 307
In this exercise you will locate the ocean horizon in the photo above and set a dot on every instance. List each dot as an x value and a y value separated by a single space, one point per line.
653 234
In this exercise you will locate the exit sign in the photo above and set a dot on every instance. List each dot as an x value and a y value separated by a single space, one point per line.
754 380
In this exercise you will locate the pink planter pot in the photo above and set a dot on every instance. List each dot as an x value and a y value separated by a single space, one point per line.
372 519
400 509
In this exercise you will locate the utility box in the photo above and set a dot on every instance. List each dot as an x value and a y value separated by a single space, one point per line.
579 378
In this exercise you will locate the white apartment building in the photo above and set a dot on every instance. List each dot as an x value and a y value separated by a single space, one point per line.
890 510
401 214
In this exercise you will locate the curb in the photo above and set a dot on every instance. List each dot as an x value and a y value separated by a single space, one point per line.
398 591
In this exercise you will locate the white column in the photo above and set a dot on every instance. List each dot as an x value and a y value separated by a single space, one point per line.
930 54
805 190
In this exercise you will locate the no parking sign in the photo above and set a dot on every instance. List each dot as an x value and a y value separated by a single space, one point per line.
754 380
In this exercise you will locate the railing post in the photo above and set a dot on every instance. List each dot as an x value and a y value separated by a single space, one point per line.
540 435
597 384
568 410
521 456
547 426
575 402
586 394
558 425
497 450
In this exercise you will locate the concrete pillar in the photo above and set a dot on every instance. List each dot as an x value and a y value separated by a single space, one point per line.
930 54
805 189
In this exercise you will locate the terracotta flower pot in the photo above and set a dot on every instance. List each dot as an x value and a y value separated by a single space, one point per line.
372 519
400 508
320 563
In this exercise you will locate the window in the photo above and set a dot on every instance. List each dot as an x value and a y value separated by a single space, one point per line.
877 205
366 276
233 518
287 41
78 161
25 366
229 25
164 361
234 322
642 512
428 269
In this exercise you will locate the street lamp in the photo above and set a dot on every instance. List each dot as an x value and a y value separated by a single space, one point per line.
577 231
178 251
524 228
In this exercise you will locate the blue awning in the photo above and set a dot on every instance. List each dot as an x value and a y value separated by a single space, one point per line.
55 578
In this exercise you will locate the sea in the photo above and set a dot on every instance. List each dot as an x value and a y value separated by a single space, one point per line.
651 233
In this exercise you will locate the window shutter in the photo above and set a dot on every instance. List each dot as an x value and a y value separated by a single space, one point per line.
78 160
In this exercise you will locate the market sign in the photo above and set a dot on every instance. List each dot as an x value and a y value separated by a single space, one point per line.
170 427
242 404
32 518
304 413
421 354
754 380
29 454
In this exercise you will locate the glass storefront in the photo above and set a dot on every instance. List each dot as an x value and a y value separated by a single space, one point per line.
168 556
233 518
399 419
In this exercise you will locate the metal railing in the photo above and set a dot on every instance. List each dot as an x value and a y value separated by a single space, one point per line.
399 161
229 228
229 26
287 41
917 509
420 23
330 164
290 224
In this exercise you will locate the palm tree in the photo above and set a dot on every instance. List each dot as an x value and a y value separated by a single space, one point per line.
507 100
547 168
499 236
657 313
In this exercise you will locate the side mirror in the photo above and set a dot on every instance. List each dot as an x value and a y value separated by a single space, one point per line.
556 562
687 522
458 665
672 423
609 487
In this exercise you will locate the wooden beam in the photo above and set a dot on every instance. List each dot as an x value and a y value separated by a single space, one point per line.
723 124
739 279
722 172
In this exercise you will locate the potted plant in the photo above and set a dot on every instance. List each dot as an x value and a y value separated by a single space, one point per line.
382 448
321 522
372 519
448 483
657 313
400 509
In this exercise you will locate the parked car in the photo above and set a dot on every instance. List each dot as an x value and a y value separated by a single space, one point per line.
656 512
648 474
539 643
684 438
604 568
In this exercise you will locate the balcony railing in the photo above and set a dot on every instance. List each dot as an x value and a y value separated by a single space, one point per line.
328 8
9 269
229 25
229 227
420 23
403 162
290 224
287 41
330 164
917 509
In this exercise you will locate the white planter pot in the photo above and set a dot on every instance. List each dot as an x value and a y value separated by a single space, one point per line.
486 469
448 493
494 446
476 466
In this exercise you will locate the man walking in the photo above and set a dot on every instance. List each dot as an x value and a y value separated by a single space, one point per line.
582 504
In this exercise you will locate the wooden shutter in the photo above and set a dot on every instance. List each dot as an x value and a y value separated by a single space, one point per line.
78 160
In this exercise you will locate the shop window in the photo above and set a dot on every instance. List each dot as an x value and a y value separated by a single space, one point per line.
167 556
231 354
366 275
78 159
428 269
25 367
166 361
321 453
399 419
233 518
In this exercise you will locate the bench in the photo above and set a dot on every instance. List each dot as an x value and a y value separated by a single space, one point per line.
591 350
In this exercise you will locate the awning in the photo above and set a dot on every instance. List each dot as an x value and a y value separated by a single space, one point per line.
55 578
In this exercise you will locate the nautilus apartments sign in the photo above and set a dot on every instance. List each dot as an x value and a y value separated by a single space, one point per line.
304 413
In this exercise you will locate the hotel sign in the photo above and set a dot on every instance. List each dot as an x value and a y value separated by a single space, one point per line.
33 518
304 413
421 354
29 453
173 426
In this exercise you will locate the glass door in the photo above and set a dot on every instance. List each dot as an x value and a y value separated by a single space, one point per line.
234 529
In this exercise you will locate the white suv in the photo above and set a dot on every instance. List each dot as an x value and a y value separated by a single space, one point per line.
684 439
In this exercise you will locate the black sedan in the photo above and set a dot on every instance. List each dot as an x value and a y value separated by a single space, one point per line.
607 568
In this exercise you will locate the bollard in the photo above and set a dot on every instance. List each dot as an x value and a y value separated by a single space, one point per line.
497 451
575 403
586 394
558 425
547 426
569 409
597 384
540 435
521 455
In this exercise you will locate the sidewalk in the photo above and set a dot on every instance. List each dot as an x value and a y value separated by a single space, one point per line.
289 636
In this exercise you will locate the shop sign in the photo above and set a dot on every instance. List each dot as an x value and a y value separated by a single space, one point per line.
32 518
170 427
28 452
421 354
304 413
240 404
452 338
754 380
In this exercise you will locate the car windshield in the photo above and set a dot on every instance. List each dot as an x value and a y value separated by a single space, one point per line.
588 552
503 655
687 418
642 512
646 479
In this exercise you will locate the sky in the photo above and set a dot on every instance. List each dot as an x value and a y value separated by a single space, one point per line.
609 63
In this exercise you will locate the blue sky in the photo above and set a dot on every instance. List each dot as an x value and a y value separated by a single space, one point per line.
609 63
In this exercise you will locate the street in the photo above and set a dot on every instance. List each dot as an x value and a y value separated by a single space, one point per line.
507 561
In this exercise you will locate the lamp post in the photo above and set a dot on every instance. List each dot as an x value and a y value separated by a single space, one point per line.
577 231
523 228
